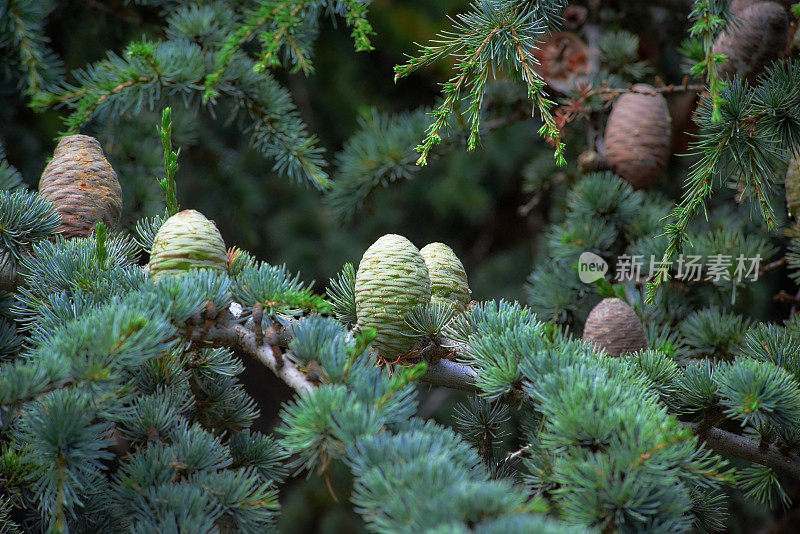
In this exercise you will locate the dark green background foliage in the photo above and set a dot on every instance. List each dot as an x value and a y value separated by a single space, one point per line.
227 180
516 219
257 210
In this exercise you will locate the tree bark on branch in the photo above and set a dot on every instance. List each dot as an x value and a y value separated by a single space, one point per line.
239 337
453 375
731 444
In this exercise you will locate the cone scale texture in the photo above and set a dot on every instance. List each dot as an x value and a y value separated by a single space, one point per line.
612 325
82 186
448 278
638 136
392 278
754 41
186 241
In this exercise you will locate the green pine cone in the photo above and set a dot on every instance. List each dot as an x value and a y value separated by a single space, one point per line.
392 278
187 240
448 277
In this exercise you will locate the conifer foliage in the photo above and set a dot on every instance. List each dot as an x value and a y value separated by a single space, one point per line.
635 405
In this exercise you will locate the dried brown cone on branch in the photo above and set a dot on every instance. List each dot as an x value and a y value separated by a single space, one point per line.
563 60
638 136
82 185
753 41
614 326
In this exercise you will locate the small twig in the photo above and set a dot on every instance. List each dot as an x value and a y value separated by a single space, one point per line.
785 298
712 417
276 352
774 265
516 454
314 372
526 208
433 351
258 317
520 113
210 315
330 488
239 337
671 88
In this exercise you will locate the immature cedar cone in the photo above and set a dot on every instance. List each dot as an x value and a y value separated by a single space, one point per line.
613 326
185 241
448 278
638 135
392 278
82 186
793 188
759 37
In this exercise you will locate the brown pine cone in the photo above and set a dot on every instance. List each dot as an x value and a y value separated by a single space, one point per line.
82 185
614 326
737 6
756 40
563 60
638 137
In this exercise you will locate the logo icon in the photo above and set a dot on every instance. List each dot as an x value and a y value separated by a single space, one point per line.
591 267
